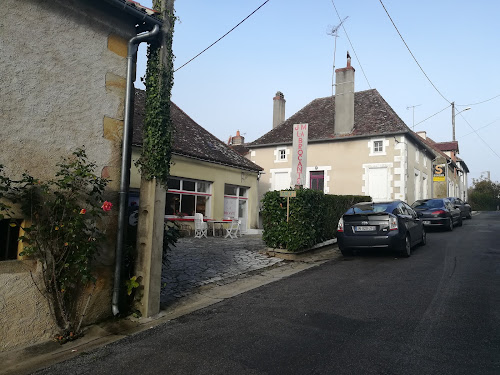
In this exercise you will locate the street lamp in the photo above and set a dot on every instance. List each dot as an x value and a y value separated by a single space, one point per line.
453 116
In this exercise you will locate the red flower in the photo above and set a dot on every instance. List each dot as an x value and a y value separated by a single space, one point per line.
83 211
106 206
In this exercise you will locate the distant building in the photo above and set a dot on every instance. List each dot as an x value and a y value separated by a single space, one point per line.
357 144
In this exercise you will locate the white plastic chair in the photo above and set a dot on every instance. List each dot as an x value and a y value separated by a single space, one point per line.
232 231
200 227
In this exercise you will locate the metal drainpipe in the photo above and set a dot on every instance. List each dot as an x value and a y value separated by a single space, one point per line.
126 159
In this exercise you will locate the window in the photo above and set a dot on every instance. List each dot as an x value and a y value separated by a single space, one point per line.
378 146
417 156
317 180
9 234
281 155
235 201
186 197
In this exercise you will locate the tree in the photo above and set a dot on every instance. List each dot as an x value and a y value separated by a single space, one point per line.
484 195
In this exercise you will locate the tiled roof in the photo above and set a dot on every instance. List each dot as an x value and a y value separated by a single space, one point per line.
372 116
142 8
447 146
190 139
240 149
137 10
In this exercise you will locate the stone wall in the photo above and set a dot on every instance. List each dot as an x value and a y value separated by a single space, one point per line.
63 87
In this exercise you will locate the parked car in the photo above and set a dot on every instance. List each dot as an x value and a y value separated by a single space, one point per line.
369 225
438 212
464 207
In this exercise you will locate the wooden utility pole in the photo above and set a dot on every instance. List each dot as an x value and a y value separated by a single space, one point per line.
151 227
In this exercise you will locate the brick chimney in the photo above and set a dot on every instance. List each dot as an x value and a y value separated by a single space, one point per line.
237 140
278 109
344 99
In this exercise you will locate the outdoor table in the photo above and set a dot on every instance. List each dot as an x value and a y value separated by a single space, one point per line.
221 222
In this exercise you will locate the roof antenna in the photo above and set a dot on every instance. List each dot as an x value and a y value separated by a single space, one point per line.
413 108
333 31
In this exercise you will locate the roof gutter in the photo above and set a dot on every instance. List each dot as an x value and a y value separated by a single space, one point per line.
136 13
126 160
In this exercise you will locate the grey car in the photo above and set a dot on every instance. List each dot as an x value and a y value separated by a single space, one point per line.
464 207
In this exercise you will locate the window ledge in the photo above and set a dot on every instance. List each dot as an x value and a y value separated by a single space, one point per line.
17 266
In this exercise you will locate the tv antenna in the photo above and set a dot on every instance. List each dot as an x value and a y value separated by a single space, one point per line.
333 31
413 110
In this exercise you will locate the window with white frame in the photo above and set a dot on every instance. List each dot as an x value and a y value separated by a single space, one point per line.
378 146
185 197
235 201
417 155
281 154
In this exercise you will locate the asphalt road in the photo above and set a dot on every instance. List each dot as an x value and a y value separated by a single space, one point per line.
437 312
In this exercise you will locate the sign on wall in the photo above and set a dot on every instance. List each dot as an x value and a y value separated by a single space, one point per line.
439 172
299 154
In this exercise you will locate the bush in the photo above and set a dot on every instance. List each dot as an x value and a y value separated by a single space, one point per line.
63 231
313 218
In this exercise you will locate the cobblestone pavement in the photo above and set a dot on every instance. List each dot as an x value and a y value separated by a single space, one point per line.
195 262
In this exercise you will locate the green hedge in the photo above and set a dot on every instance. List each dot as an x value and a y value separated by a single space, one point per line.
313 218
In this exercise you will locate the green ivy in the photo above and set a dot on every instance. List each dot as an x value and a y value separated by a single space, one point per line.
157 132
313 218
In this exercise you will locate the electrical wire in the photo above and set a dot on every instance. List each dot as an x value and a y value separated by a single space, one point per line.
484 101
432 116
475 131
355 54
482 127
411 53
223 36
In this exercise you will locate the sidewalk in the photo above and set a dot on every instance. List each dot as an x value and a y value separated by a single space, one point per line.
201 272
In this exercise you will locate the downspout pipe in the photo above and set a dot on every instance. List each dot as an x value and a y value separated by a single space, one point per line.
133 45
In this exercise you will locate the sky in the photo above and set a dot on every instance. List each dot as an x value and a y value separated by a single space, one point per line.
285 46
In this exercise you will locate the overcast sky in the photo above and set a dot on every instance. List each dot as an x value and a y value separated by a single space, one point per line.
285 47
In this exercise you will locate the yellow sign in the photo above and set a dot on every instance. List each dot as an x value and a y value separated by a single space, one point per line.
439 173
288 193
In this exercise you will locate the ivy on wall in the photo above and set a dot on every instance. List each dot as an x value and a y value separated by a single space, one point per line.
157 131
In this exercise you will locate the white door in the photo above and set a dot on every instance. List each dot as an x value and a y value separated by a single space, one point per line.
378 184
281 180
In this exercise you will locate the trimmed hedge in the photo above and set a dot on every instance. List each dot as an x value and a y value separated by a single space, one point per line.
313 218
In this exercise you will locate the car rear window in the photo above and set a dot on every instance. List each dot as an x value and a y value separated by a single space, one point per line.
369 208
431 203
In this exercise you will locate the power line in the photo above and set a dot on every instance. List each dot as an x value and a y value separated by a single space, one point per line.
223 36
484 101
355 54
411 53
475 131
482 127
432 115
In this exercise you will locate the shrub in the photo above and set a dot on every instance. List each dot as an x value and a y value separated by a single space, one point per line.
313 218
62 231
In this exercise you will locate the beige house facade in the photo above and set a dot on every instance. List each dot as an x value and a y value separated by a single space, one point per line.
357 145
206 175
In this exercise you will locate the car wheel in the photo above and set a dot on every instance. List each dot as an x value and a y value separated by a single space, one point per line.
406 250
469 215
460 221
450 225
346 252
424 238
